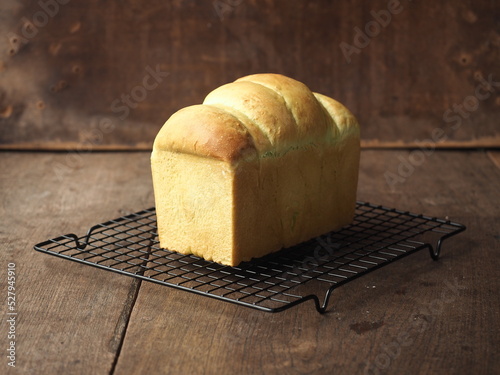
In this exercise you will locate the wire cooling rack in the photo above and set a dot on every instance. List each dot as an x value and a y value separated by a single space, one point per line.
309 271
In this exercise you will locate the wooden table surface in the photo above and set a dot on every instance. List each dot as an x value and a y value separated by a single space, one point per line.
415 316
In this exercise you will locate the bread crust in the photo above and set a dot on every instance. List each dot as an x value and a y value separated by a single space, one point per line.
206 131
261 115
262 164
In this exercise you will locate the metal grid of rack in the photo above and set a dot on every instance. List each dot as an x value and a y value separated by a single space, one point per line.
309 271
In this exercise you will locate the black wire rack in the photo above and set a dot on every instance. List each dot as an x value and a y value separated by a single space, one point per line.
309 271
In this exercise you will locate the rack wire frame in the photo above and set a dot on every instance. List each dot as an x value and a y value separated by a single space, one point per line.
377 237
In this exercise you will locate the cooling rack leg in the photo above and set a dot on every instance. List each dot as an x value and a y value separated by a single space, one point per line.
434 254
322 308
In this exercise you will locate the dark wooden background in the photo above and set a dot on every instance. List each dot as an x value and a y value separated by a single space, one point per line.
63 69
59 83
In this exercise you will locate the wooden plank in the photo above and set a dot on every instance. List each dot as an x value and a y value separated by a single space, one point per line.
486 142
414 316
441 183
75 146
495 157
71 318
491 143
65 82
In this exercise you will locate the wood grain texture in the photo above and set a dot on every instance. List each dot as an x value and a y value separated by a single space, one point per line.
71 318
495 157
415 316
65 82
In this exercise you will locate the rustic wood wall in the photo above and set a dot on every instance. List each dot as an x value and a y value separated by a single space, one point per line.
106 74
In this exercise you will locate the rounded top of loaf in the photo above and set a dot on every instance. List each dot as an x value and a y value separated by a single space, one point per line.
256 115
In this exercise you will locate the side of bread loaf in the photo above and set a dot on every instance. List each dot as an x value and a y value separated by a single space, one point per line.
262 164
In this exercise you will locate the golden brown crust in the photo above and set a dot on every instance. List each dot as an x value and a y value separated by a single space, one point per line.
260 114
310 119
206 131
263 107
278 166
344 120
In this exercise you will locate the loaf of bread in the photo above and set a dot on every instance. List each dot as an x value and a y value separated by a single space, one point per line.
262 164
